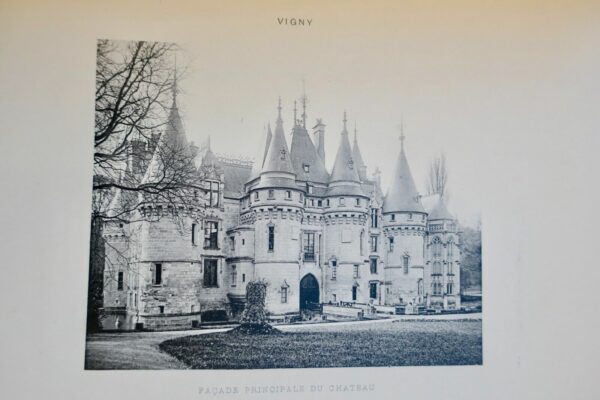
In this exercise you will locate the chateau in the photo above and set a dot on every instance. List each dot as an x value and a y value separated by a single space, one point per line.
316 236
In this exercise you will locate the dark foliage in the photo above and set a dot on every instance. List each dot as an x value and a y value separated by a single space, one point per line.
470 273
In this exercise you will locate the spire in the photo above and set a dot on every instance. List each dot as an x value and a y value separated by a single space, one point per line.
295 114
440 211
402 195
344 167
402 137
279 110
278 155
357 156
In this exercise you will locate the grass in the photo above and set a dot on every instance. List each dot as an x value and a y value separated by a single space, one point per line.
391 344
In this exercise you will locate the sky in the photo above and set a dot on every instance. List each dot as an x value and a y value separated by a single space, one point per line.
463 81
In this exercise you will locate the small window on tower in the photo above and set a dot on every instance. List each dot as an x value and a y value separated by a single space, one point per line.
161 309
393 217
271 238
157 276
306 167
271 194
342 201
194 228
357 201
120 281
288 194
319 203
256 198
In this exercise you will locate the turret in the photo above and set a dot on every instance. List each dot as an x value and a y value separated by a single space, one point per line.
442 272
404 222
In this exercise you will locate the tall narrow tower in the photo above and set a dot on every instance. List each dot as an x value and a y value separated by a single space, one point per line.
404 222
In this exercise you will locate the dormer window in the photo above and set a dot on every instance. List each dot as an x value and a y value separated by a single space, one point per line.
306 168
309 188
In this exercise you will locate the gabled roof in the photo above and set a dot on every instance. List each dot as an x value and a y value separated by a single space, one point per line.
303 152
402 195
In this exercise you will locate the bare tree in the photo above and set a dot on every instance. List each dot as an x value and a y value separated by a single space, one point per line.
437 179
140 155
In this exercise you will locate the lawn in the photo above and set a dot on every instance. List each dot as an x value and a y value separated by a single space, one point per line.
398 343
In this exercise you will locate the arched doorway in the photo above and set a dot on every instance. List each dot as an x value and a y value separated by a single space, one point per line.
309 293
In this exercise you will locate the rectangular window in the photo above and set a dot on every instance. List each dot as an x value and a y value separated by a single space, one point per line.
256 196
373 290
210 272
319 203
306 167
405 261
233 277
309 246
450 269
157 276
356 271
161 309
271 194
243 278
213 194
120 280
333 270
310 189
342 201
284 295
333 298
410 216
328 203
271 238
194 227
437 268
354 293
450 287
288 194
374 218
374 244
232 243
373 265
391 244
357 202
211 235
393 217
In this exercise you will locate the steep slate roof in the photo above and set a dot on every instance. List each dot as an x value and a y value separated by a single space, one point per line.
439 210
344 178
303 151
235 177
402 195
261 154
357 156
278 155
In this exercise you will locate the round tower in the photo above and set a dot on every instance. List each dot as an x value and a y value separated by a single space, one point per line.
404 223
346 231
278 205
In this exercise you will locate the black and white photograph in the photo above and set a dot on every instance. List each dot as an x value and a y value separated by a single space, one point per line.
297 257
299 199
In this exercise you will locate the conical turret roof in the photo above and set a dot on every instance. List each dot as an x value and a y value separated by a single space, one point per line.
358 159
440 211
402 195
263 148
344 178
278 155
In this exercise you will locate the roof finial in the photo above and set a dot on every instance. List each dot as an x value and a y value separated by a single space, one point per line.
345 120
295 114
304 101
175 90
279 109
402 137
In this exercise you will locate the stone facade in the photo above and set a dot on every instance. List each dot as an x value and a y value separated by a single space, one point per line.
315 236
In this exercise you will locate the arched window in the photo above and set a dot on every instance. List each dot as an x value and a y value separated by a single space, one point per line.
450 249
436 247
437 268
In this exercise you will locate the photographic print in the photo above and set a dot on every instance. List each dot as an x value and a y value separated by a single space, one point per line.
294 254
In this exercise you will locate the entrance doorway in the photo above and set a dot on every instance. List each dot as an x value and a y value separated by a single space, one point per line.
309 293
